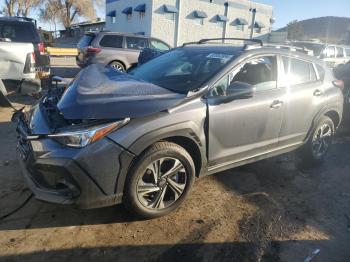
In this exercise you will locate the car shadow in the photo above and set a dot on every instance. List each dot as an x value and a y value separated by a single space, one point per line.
194 252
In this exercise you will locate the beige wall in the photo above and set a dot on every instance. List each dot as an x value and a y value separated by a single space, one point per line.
157 25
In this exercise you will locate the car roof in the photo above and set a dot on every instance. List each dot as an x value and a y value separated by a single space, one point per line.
16 19
115 33
251 49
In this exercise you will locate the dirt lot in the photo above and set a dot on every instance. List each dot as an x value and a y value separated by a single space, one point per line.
273 210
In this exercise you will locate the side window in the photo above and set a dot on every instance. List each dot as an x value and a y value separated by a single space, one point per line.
347 51
260 73
136 43
298 71
340 52
158 45
114 41
329 52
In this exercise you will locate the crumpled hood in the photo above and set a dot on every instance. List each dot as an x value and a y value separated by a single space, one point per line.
99 92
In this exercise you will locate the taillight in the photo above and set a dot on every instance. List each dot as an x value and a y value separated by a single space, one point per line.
339 84
32 61
93 50
41 47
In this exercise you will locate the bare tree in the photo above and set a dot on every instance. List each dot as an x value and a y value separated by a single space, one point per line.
10 7
20 7
66 11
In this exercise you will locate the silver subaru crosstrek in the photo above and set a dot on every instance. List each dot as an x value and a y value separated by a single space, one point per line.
120 51
142 138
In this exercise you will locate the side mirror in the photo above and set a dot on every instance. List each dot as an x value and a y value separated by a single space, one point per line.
240 90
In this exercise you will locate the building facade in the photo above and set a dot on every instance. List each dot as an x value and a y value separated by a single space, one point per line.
180 21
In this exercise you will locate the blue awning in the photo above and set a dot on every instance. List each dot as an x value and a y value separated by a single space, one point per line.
259 25
200 14
140 8
221 18
241 21
112 13
127 11
170 9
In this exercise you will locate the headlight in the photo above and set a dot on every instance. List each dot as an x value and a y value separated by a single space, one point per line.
84 137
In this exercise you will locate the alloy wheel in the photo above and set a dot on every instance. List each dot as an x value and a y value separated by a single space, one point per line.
322 140
162 183
117 67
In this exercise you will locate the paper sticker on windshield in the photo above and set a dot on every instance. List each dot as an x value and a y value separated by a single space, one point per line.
219 56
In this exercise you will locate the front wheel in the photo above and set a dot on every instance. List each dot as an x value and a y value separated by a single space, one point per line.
319 143
159 181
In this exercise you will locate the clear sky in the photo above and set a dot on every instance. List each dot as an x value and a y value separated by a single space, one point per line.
288 10
284 10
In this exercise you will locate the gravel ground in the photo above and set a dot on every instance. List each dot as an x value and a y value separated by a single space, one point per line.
272 210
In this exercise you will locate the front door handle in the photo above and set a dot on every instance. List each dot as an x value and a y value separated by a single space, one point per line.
318 92
276 104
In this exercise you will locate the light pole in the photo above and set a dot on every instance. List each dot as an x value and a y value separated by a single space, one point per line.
253 10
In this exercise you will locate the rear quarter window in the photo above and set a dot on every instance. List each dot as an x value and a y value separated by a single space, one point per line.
22 32
114 41
340 52
298 71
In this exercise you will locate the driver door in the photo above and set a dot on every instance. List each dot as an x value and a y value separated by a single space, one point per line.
242 128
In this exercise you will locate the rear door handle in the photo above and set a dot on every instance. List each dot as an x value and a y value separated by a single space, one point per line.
276 104
317 92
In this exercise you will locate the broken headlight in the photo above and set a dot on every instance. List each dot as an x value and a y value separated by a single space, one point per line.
84 137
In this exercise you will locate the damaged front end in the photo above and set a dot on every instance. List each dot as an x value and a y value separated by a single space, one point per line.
61 139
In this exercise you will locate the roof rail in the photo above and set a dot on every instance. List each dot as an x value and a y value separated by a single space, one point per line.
258 41
202 41
28 19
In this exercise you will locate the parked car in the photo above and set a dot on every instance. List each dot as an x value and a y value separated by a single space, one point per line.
22 54
120 51
142 138
292 48
333 55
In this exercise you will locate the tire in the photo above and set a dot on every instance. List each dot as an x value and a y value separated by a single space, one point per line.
118 66
148 198
319 142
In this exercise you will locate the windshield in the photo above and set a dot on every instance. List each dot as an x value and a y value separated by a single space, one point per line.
183 70
317 48
22 32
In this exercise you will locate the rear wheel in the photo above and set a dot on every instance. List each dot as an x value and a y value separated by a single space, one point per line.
118 66
319 143
160 180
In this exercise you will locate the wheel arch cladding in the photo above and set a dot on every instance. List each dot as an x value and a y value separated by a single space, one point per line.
191 147
184 139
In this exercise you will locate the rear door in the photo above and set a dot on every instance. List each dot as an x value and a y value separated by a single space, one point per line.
244 128
304 95
112 49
